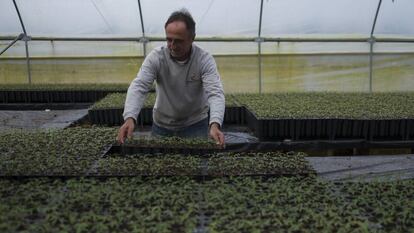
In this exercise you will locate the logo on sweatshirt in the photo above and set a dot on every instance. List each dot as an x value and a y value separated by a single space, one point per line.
194 77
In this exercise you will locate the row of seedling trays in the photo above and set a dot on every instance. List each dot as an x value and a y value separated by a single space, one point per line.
331 129
224 164
52 96
293 129
111 117
304 145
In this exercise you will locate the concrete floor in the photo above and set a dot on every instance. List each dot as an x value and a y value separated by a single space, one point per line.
364 168
40 119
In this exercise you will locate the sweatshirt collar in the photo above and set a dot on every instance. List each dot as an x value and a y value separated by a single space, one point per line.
182 62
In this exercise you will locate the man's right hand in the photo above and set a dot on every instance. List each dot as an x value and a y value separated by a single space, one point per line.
126 130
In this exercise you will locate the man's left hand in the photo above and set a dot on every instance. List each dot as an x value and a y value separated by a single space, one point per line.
216 134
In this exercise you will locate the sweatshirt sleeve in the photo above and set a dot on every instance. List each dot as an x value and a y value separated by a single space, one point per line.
140 86
214 89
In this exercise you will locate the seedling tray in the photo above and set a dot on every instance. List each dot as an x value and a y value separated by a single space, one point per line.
332 129
193 176
235 115
206 169
236 147
114 116
280 129
132 149
143 149
43 106
198 175
313 145
50 96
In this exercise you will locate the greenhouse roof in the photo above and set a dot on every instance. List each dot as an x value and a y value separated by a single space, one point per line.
230 18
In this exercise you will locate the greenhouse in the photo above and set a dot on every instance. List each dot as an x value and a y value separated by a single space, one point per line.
305 111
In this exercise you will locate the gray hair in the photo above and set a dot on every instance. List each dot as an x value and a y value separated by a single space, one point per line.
183 15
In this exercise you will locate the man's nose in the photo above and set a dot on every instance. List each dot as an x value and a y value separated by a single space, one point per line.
173 43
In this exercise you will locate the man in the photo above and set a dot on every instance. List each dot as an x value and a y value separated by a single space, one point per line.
188 86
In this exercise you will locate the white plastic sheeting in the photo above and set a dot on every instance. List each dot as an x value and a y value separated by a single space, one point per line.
75 18
229 18
73 49
9 21
213 18
318 17
396 18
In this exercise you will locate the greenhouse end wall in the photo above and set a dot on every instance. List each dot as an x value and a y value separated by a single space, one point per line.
284 66
263 46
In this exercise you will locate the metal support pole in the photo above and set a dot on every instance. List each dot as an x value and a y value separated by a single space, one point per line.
26 39
144 44
19 37
259 46
20 17
29 73
376 16
222 39
371 46
371 57
144 39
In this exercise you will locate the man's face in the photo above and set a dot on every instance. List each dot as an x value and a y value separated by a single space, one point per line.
179 40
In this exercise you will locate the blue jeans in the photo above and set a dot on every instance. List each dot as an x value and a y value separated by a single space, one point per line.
196 130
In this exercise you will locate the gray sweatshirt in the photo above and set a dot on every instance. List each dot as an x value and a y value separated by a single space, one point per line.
185 91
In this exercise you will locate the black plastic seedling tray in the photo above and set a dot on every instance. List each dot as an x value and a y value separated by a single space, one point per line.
268 129
235 115
143 149
126 149
52 96
312 145
113 116
43 106
202 172
331 129
198 175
